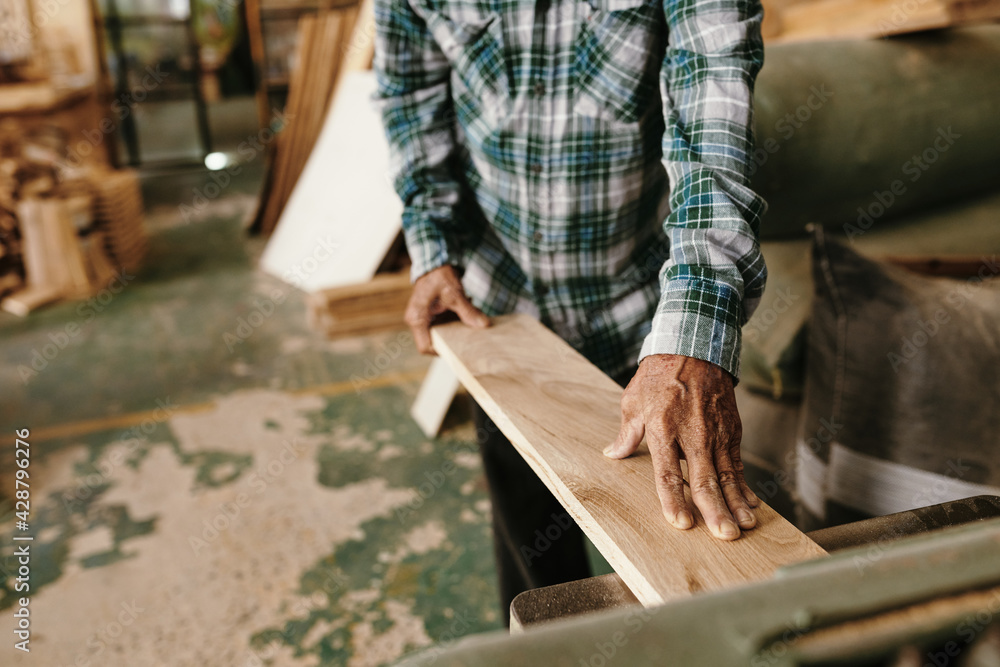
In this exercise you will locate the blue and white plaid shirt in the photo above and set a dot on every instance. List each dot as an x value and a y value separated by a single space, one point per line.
583 161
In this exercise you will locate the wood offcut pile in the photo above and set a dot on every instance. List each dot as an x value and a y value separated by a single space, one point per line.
65 232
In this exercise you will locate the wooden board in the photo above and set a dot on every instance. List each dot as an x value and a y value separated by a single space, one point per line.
23 302
52 255
859 19
435 397
560 412
343 199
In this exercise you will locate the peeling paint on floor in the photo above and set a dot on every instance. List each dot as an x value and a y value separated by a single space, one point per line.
249 546
194 505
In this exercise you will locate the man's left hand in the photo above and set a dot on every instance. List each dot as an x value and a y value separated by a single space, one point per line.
686 408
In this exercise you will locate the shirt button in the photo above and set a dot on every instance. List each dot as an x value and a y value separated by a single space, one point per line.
537 237
536 167
541 290
539 89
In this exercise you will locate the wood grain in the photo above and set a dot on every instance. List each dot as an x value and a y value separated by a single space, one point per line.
560 411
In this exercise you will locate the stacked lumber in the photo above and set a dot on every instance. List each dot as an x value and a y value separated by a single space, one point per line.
363 308
804 20
64 231
320 54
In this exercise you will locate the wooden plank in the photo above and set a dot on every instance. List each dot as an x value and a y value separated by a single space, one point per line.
319 58
31 218
342 201
395 284
859 19
360 50
435 397
281 164
23 302
560 412
255 33
42 97
69 252
358 326
362 308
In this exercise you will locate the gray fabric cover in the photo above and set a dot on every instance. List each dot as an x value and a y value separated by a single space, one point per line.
902 380
891 126
773 360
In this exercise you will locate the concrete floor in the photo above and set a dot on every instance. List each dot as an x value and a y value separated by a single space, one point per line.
204 497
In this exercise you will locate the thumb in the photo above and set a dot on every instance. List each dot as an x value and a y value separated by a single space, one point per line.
629 436
469 314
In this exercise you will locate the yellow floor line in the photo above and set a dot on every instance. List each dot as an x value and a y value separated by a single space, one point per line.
83 427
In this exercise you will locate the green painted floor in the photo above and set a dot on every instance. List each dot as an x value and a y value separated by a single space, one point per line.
209 492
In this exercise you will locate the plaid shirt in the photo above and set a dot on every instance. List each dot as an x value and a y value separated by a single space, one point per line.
585 161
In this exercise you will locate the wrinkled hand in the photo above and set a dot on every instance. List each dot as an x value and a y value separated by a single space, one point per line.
686 408
436 292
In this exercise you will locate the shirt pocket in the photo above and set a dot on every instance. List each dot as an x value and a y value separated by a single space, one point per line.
475 50
619 51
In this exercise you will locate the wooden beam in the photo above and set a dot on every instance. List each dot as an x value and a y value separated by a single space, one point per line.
560 411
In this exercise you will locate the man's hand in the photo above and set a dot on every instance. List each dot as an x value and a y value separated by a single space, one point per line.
434 293
686 408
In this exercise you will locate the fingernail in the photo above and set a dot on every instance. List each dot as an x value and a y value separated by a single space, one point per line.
745 518
683 520
728 530
751 498
609 450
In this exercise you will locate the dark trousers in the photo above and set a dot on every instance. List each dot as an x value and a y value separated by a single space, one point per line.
535 541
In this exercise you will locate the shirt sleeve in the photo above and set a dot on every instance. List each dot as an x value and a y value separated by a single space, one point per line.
414 97
715 275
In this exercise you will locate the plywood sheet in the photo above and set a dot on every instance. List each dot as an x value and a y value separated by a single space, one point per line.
343 214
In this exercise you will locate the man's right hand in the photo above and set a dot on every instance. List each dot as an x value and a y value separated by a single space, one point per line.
434 293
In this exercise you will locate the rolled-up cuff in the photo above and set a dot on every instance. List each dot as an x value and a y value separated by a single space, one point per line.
699 319
428 249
